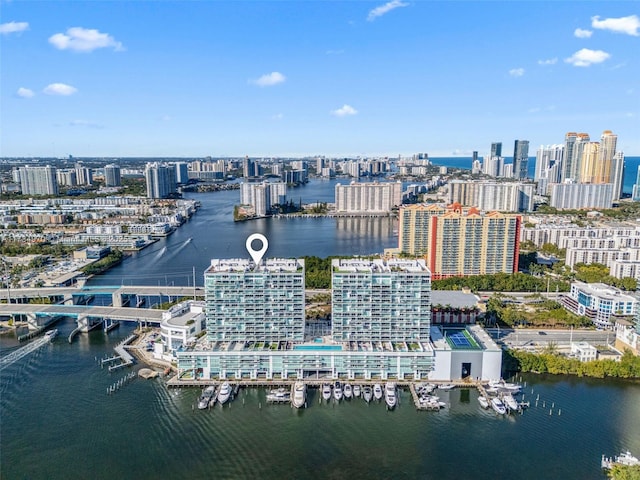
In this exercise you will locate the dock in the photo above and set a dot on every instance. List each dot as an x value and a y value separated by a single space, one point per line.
126 357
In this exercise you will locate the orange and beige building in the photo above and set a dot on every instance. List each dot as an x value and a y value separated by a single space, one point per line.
457 241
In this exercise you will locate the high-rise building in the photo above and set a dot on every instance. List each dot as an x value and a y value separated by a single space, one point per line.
249 302
496 149
636 187
112 176
263 196
380 300
84 176
548 166
617 175
368 197
66 177
38 180
520 159
161 180
492 196
182 173
457 243
581 195
574 144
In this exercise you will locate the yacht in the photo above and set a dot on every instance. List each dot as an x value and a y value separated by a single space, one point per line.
356 390
348 391
498 406
337 391
446 386
326 391
299 395
225 393
377 392
279 395
367 394
51 334
510 402
390 397
207 395
482 400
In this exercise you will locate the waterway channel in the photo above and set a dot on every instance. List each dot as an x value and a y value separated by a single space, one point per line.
58 422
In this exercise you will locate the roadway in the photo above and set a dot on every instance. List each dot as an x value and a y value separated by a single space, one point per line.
114 313
104 290
520 337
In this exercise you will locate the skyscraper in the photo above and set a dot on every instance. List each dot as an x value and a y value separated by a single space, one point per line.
520 159
161 179
496 149
38 180
574 145
112 176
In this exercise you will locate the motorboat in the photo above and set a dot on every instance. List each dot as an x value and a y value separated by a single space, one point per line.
482 400
225 393
299 395
510 402
356 390
337 391
279 395
51 334
390 397
326 391
348 391
207 395
498 406
501 385
367 394
446 386
377 392
425 388
625 458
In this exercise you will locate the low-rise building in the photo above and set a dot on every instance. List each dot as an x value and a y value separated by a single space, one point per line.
598 302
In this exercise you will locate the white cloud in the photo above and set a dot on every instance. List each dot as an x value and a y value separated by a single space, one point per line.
81 39
344 111
386 8
628 25
277 116
581 33
165 118
334 52
516 72
13 27
25 92
59 89
586 57
549 61
269 79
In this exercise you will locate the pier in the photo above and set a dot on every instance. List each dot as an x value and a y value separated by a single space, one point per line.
126 357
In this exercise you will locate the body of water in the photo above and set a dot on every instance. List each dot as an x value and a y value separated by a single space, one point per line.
58 422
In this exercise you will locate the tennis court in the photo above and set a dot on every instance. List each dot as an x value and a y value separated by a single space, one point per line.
461 339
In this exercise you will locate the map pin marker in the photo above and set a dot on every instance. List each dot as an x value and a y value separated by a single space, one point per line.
257 254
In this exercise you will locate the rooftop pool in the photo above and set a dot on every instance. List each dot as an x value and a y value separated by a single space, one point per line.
317 347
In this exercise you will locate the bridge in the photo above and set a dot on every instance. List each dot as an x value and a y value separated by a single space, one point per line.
121 295
88 317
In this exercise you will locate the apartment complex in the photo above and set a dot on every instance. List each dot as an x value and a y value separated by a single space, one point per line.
38 180
251 302
492 196
457 242
381 301
263 196
161 179
598 302
368 197
572 196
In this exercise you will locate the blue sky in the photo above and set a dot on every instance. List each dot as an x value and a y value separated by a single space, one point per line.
260 78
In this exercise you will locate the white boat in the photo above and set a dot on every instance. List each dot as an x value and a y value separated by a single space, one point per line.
367 394
299 395
337 391
625 458
51 334
224 394
498 406
207 395
278 395
446 386
390 397
377 392
326 391
356 390
484 403
348 391
510 402
501 385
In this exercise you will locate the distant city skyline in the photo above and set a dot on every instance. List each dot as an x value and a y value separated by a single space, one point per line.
294 79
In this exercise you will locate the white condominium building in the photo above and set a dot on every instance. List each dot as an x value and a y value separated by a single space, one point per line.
381 300
368 197
492 196
572 196
598 302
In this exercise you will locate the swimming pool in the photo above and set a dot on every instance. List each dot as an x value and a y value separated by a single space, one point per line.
317 347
